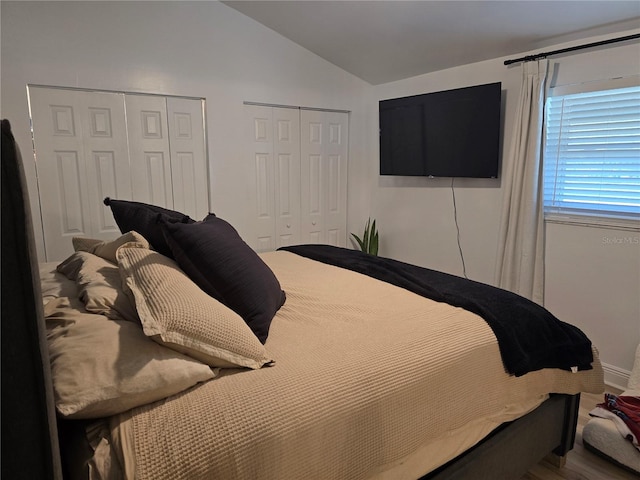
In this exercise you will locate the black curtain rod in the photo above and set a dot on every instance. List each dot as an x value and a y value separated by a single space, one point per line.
530 58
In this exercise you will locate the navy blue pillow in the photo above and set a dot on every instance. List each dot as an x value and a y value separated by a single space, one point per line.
143 218
214 256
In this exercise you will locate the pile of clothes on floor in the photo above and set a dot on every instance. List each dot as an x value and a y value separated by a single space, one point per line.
614 430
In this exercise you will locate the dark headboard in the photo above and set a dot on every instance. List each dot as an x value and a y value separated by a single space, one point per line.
29 434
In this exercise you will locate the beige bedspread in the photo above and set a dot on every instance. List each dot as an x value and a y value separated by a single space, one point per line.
370 381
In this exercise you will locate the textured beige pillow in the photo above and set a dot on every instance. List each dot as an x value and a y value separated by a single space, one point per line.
104 249
101 367
177 313
99 286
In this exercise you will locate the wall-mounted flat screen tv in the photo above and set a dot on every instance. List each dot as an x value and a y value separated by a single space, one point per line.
453 133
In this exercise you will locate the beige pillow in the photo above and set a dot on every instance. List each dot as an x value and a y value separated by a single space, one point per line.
107 249
177 313
102 367
54 284
99 286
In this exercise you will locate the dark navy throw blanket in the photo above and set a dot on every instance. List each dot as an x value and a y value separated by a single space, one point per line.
529 337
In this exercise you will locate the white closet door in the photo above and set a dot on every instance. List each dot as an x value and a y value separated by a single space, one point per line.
324 147
286 153
259 121
189 170
149 149
108 173
274 142
81 157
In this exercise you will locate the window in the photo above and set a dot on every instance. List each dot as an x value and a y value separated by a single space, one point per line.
592 154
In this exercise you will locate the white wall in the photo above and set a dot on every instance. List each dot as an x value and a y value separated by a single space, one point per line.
593 281
208 49
416 214
202 49
593 274
589 283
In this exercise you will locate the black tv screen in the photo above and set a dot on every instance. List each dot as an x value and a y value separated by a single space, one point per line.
453 133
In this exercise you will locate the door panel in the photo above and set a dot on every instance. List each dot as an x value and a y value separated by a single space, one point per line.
274 137
260 146
190 179
71 191
149 149
336 150
107 186
312 196
324 176
106 158
286 146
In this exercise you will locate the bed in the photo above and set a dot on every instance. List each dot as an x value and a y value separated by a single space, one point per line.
320 362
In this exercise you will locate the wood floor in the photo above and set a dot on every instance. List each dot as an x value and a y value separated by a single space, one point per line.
581 464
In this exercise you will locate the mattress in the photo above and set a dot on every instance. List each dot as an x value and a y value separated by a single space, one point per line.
370 381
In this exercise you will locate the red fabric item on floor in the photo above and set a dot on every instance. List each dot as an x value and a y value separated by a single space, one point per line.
627 408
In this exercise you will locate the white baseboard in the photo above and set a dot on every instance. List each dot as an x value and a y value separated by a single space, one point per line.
615 376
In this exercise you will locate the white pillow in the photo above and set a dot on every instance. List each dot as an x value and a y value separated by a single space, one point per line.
102 367
175 312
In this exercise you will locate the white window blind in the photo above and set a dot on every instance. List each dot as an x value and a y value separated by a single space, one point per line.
592 154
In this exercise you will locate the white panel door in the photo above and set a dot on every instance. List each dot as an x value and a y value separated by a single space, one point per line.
274 142
335 170
189 171
259 122
149 149
94 144
286 156
324 148
81 157
312 182
107 158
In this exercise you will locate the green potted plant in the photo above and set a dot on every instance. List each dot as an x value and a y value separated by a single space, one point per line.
369 241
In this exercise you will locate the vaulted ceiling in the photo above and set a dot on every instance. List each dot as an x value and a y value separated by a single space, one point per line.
382 41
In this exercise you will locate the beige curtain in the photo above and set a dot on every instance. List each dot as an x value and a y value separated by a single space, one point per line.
520 259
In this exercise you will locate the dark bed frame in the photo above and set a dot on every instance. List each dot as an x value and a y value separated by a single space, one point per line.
30 430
